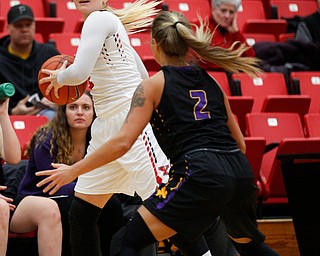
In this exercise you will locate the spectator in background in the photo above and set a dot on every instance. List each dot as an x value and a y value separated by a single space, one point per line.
12 154
224 24
21 59
309 28
64 140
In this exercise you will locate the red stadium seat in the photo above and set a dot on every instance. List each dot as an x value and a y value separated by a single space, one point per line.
255 147
25 126
312 124
30 234
307 83
270 94
2 22
44 24
65 9
141 43
274 127
290 8
274 27
36 5
253 19
286 36
222 79
253 38
240 105
190 8
120 4
250 9
47 26
66 43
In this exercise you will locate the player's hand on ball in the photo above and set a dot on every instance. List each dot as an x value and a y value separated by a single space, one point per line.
52 79
58 177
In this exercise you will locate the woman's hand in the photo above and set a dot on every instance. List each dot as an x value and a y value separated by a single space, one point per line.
234 25
62 175
52 79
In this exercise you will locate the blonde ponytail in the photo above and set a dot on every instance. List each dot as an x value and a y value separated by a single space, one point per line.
138 15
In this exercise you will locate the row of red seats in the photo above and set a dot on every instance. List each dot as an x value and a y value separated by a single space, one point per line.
255 17
57 16
270 135
67 43
269 92
275 121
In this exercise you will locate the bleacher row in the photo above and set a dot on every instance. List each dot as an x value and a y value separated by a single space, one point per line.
259 20
271 110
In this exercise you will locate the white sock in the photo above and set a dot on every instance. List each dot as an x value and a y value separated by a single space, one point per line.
208 253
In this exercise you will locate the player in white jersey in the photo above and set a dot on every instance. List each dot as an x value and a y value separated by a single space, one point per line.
115 70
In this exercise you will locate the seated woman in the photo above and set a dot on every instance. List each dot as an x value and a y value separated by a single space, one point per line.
226 32
64 139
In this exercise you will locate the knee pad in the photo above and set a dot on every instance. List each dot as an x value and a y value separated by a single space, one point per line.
132 237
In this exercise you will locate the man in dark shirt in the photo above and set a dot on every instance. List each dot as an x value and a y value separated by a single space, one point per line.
21 60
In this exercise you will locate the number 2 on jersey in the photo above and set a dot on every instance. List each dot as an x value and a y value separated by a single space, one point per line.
198 109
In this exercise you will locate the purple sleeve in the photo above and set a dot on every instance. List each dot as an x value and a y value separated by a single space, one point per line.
41 159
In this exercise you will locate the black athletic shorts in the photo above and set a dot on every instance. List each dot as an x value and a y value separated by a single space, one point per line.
203 185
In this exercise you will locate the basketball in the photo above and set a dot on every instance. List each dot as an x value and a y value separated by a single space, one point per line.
67 94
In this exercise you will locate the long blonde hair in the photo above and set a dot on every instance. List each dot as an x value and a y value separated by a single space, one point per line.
137 16
174 34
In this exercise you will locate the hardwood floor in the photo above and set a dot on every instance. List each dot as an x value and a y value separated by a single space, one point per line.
280 235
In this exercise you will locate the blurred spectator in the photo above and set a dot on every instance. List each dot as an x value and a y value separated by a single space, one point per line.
21 59
224 24
309 28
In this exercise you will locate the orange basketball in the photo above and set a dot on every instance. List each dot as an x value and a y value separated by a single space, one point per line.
67 94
